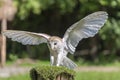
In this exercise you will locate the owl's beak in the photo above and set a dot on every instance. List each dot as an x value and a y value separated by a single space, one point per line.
52 47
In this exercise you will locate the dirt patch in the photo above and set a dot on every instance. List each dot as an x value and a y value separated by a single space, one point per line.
13 70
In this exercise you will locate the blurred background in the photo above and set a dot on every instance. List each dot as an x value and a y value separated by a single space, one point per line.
54 17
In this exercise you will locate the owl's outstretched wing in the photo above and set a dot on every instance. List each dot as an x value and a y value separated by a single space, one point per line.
26 38
86 27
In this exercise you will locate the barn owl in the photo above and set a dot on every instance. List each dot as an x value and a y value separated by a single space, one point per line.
60 47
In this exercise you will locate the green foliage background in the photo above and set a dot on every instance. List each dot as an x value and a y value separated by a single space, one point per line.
55 16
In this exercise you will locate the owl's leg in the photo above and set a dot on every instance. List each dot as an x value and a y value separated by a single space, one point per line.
52 60
59 59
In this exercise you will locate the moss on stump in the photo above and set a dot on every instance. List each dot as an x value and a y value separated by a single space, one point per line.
51 73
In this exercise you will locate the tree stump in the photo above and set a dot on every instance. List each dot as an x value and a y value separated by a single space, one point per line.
51 73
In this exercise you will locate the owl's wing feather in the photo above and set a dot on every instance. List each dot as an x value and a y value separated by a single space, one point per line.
26 38
87 27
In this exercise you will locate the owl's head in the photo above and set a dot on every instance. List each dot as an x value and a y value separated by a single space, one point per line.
55 43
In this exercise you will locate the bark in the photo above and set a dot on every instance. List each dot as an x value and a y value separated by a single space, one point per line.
3 46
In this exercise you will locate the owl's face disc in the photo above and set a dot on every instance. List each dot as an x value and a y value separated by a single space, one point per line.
55 43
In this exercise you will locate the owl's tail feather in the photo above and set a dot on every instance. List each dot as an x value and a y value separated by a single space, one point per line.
68 63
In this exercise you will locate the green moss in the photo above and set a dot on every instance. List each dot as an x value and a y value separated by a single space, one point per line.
50 72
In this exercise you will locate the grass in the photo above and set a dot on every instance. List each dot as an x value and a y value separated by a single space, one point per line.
79 63
100 63
37 63
28 64
79 76
18 77
97 76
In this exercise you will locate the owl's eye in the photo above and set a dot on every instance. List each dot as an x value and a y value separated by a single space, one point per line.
55 43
